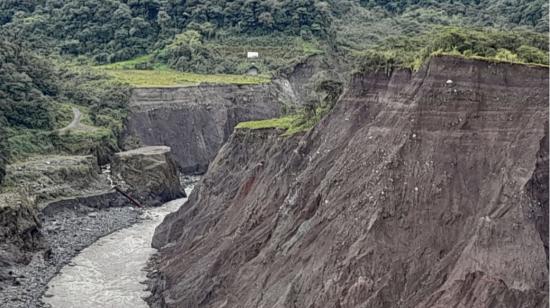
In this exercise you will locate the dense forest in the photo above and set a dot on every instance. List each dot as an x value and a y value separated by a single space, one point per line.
36 96
47 45
111 30
115 30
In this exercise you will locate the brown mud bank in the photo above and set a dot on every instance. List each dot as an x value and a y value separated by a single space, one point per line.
424 189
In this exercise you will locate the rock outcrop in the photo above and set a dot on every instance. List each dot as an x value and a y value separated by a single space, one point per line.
196 121
148 174
418 190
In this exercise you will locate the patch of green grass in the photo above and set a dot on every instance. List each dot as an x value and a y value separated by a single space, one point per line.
226 62
220 60
84 142
289 124
285 123
170 78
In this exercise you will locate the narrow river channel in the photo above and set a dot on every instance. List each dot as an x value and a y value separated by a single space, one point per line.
109 273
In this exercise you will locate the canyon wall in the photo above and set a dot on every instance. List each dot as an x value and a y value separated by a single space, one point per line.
195 121
422 189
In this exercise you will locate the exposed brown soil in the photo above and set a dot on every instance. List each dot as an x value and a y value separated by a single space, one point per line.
424 189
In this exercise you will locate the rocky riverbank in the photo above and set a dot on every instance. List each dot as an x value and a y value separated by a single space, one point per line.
67 233
52 208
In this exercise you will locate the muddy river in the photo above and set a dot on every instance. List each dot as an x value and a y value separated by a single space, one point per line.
109 273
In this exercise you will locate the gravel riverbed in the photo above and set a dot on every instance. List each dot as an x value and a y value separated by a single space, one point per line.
66 234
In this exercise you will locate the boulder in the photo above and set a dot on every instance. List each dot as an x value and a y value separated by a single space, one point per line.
148 174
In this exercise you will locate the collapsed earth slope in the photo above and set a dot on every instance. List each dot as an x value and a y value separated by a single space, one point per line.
419 189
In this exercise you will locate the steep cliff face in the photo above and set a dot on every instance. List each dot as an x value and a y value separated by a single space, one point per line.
418 190
196 121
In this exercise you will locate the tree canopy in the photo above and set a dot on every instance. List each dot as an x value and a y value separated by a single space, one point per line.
115 30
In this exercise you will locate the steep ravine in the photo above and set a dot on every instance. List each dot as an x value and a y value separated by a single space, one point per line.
195 121
418 190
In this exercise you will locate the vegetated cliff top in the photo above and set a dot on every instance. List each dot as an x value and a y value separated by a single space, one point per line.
412 192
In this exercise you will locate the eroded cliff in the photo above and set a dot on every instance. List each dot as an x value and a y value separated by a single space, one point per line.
418 190
195 121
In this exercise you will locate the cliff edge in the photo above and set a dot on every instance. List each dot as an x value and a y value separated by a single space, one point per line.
419 189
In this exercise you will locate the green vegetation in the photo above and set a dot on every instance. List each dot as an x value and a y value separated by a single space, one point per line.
507 46
109 31
37 98
114 30
189 52
63 113
167 77
289 124
284 123
24 144
377 20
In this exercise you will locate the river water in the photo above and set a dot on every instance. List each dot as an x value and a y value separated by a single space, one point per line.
109 273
